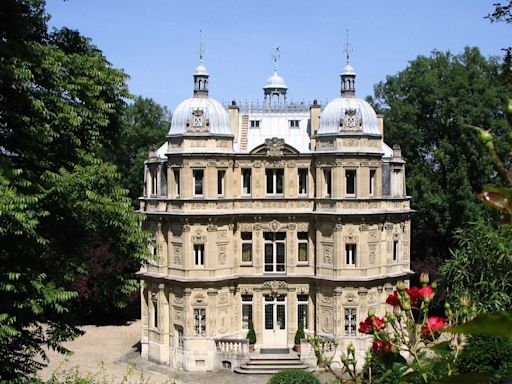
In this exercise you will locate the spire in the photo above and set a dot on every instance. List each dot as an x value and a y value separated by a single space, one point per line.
200 73
348 75
275 87
275 57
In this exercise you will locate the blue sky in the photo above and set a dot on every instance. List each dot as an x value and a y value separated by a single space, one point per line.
156 42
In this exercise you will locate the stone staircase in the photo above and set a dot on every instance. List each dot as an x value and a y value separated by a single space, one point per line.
271 363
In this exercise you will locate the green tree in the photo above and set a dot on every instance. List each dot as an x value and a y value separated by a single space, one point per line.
59 200
427 108
145 123
480 267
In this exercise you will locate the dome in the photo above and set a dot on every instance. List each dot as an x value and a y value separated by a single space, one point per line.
348 70
201 69
216 116
348 114
275 81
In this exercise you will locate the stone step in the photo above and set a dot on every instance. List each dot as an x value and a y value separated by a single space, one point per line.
273 362
274 356
269 364
267 371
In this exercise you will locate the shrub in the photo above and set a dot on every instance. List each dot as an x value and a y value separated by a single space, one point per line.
485 354
293 376
299 334
251 335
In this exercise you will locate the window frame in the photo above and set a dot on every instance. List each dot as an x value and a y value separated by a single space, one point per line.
246 242
221 182
199 255
303 300
350 326
350 254
302 172
247 302
396 250
353 172
176 173
276 244
303 241
254 124
294 123
246 189
327 175
200 322
371 185
194 182
276 174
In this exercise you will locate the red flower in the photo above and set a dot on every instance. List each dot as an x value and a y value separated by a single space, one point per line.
393 299
433 325
369 325
381 346
414 295
426 292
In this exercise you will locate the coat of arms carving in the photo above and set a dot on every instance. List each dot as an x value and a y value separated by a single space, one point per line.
274 147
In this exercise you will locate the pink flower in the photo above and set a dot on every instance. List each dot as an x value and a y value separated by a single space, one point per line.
433 325
369 325
426 292
381 346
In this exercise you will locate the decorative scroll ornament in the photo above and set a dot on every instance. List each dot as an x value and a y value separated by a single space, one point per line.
352 121
274 147
274 225
274 285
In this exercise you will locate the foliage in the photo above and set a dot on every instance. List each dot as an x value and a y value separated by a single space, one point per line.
293 376
251 334
145 123
299 334
426 109
502 12
59 200
480 266
491 355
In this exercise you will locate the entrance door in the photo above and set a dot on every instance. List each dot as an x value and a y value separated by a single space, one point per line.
274 327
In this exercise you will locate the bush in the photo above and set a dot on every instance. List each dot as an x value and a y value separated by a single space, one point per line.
486 354
251 335
293 376
299 334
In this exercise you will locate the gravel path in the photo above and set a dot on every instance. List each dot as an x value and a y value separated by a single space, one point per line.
109 352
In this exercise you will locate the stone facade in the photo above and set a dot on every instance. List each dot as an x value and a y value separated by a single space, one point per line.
249 228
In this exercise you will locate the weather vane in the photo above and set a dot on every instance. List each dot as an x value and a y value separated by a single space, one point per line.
201 47
275 57
348 49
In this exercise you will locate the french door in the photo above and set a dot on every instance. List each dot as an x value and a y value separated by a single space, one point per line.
274 327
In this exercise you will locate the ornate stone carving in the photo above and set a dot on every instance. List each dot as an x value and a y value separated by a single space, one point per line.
302 227
177 255
352 121
351 238
274 147
222 235
371 298
198 237
388 226
372 248
185 227
274 225
257 164
221 252
292 226
258 182
396 236
364 227
372 235
211 227
223 298
231 227
363 163
291 182
327 256
327 320
275 285
397 152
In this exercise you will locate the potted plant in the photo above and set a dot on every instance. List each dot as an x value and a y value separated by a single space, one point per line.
298 336
251 336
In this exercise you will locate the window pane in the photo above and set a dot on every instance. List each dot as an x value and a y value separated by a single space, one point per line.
302 315
350 175
246 315
269 316
281 316
280 235
198 182
279 180
247 252
270 181
303 251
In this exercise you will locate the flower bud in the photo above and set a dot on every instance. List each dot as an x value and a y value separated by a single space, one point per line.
371 313
424 278
344 359
447 305
407 306
397 311
351 348
434 285
400 286
464 301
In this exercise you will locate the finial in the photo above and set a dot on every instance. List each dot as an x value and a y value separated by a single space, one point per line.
201 47
348 49
275 57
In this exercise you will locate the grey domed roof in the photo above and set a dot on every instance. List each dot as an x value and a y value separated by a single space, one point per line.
348 114
275 81
213 111
201 69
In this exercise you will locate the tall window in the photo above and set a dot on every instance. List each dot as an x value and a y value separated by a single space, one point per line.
246 181
327 183
154 312
198 175
302 311
303 181
246 311
350 182
275 255
350 321
302 244
254 123
199 321
221 175
372 182
395 250
246 247
177 181
154 182
350 254
199 255
396 183
274 181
